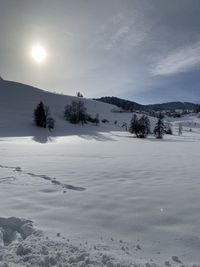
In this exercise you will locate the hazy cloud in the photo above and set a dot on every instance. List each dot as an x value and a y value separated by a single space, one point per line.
122 31
135 49
184 59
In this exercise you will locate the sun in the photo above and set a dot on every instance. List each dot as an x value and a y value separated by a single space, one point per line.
38 54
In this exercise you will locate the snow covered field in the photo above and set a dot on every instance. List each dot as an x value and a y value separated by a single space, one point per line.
134 200
94 195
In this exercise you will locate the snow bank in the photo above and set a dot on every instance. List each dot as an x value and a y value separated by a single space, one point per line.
21 245
27 247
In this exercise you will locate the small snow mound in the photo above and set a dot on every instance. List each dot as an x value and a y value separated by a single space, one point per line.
37 250
14 229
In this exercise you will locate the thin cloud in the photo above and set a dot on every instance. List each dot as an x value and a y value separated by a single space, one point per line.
121 31
183 60
117 37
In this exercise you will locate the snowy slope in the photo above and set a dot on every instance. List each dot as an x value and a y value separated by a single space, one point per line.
17 102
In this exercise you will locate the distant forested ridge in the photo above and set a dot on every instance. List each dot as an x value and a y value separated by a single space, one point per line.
131 105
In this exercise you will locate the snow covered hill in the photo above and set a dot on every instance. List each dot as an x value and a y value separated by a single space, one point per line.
17 102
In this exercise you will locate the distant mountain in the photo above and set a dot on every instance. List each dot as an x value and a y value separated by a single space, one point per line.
130 105
172 106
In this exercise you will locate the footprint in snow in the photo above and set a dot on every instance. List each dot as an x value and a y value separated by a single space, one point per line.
7 179
17 169
56 182
45 177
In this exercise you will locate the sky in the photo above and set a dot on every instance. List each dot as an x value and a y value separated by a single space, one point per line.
147 51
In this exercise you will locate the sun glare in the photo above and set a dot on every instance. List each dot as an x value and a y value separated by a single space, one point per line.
38 54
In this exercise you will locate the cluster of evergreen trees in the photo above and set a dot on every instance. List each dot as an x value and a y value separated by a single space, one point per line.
75 112
42 117
141 127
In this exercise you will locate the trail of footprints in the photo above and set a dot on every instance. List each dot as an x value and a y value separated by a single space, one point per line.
54 181
7 179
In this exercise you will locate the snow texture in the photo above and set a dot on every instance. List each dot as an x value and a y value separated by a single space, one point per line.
95 195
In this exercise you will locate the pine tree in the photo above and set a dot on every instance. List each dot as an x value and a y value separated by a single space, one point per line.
140 127
159 129
78 94
144 126
40 117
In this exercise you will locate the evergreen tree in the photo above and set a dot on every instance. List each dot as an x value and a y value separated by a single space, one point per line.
40 117
144 126
79 94
159 129
140 127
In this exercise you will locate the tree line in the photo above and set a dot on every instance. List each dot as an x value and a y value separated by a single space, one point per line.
76 112
141 127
